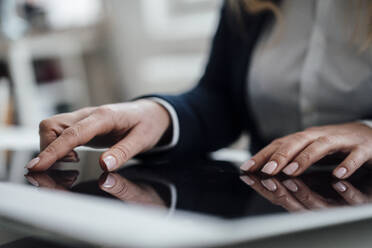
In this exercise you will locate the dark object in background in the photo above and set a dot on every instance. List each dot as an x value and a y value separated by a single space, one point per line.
35 16
47 70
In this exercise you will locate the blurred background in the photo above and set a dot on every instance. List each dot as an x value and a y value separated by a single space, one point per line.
59 56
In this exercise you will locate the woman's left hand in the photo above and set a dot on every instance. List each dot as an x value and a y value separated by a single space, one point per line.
294 153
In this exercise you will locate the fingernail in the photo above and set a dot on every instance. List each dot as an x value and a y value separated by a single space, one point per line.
269 185
32 163
292 186
270 167
340 172
32 180
247 165
340 187
291 168
110 162
109 182
247 180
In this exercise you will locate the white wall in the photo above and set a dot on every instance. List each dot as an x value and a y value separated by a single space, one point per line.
160 46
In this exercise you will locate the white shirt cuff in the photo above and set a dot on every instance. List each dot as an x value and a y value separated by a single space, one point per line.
175 125
367 123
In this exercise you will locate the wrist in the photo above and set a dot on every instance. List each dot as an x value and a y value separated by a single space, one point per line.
157 112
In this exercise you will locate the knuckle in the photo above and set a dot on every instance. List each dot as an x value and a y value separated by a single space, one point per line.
301 136
50 149
305 156
104 111
363 150
121 190
281 199
352 164
281 155
122 152
262 156
304 197
71 132
327 140
277 142
45 125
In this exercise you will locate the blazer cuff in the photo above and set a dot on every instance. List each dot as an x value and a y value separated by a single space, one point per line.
367 122
175 125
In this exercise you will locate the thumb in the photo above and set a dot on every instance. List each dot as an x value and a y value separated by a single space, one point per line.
124 150
119 186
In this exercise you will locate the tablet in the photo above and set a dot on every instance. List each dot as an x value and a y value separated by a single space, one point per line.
196 203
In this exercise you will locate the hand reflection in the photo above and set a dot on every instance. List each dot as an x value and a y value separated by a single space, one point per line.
351 194
54 179
112 183
295 195
128 191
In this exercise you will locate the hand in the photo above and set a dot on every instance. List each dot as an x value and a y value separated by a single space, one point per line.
293 154
128 128
128 191
294 195
53 179
351 194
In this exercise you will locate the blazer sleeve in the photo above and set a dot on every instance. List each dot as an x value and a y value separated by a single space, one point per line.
207 120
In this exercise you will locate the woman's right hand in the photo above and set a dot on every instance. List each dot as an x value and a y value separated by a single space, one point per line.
127 128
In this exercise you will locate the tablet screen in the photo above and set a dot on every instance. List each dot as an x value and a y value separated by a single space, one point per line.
216 188
203 186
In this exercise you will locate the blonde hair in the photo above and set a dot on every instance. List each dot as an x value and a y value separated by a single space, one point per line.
259 6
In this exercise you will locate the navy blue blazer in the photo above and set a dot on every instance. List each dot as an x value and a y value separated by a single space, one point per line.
215 113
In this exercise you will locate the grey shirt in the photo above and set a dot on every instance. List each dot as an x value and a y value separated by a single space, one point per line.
311 71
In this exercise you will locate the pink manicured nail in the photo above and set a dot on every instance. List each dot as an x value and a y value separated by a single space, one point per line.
32 180
109 182
110 162
340 172
340 187
269 185
247 180
247 165
270 167
292 186
291 168
32 163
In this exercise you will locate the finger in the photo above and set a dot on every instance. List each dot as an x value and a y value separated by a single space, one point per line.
260 158
305 195
350 194
43 180
134 143
255 183
71 157
32 180
320 148
50 129
119 187
65 178
352 162
273 190
286 152
78 134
